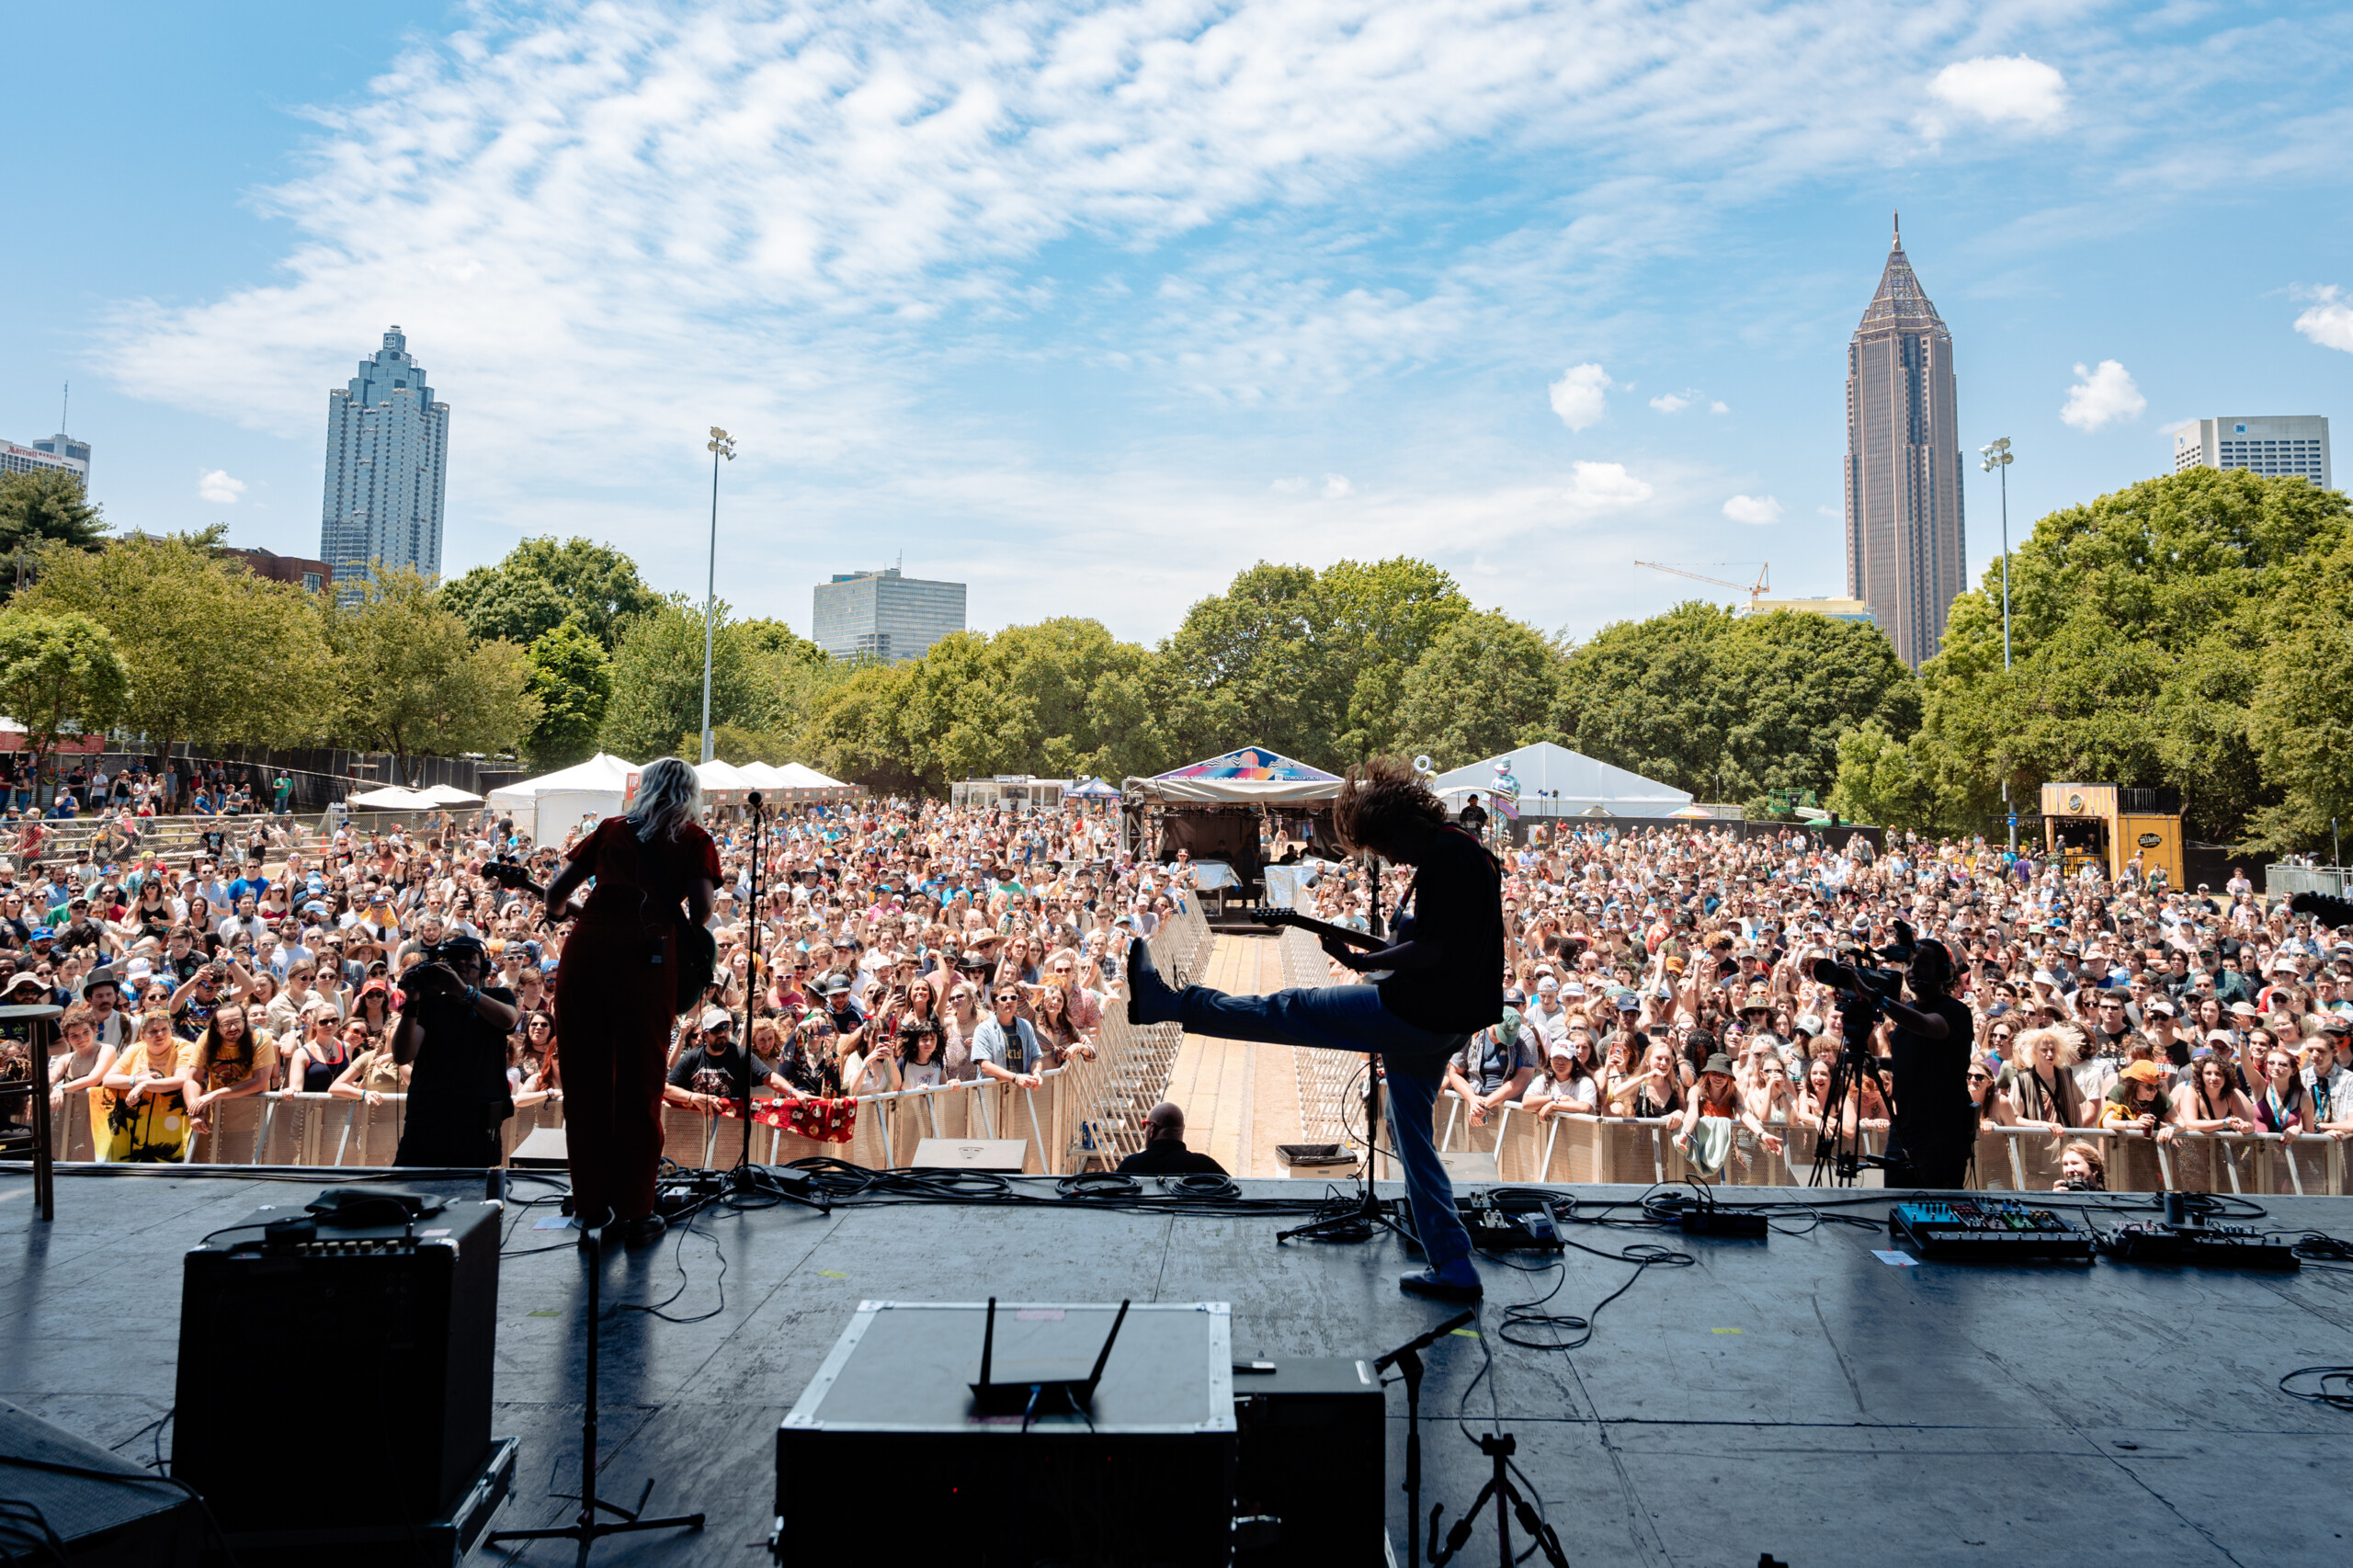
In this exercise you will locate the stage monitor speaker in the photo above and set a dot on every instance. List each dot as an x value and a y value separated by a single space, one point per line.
1143 1476
1005 1155
543 1149
405 1315
136 1519
1309 1465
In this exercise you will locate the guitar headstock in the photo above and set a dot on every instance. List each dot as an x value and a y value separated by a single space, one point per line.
1271 914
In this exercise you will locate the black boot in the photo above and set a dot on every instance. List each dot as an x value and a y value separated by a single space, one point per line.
1149 999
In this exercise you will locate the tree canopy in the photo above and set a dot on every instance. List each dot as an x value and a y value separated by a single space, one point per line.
2154 631
413 682
45 507
59 674
542 584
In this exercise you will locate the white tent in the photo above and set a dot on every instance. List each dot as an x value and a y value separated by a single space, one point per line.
1557 782
722 783
1252 776
764 777
800 776
393 798
553 803
450 795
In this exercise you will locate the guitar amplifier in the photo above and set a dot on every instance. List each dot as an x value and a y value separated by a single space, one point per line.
1311 1472
409 1315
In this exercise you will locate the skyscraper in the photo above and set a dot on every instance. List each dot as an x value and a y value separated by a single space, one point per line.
2275 443
880 615
388 450
1904 537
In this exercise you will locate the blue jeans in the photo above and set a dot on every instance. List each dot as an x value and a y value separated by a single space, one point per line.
1351 1017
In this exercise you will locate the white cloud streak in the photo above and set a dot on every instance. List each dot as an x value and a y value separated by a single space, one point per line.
216 486
1755 509
2101 396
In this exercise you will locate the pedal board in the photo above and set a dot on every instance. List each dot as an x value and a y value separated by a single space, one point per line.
2198 1246
682 1194
1988 1230
1519 1223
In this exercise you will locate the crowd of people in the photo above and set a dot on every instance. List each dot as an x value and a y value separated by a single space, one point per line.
902 945
1655 973
1670 974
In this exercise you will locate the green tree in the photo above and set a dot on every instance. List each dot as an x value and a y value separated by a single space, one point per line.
413 681
215 654
1643 695
1311 664
572 679
542 584
856 733
1486 683
2144 625
46 506
657 682
59 674
1792 684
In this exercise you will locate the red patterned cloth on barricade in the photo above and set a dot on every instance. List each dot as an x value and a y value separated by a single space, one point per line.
827 1122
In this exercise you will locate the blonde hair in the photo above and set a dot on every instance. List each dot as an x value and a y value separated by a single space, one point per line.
2030 1045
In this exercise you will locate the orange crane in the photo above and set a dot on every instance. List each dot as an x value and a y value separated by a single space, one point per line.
1755 591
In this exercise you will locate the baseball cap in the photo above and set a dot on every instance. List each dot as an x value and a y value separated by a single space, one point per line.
2142 1072
43 934
715 1017
1547 987
2158 1005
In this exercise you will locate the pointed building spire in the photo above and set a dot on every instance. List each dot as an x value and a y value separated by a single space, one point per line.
1900 296
1899 232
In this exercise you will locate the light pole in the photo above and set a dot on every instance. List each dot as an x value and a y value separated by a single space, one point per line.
721 445
1997 460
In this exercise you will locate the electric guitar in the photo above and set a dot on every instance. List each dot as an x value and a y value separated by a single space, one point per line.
1272 916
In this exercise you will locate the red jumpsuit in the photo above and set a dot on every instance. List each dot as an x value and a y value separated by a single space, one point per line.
614 1008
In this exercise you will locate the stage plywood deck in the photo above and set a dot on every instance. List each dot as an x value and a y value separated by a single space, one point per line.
1799 1397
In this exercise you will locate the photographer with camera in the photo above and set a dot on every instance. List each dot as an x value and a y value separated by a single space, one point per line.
454 1031
1935 1127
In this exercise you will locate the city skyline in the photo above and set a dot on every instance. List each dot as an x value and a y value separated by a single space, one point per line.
1530 294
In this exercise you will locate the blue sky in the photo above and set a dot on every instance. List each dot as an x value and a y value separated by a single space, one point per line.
1091 306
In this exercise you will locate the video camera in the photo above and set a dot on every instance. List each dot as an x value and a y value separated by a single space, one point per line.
506 872
1862 987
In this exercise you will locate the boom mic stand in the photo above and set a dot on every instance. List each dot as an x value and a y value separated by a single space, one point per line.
586 1527
1369 1217
1407 1359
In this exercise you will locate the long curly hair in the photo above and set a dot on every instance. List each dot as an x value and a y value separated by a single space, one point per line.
1378 798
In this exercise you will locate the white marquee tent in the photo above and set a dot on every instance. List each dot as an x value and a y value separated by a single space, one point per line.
553 803
1557 782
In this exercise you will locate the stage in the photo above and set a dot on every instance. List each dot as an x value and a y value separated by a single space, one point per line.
1797 1397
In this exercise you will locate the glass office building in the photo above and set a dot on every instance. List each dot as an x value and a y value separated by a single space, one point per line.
881 615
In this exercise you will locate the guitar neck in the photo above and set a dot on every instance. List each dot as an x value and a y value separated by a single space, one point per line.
1272 916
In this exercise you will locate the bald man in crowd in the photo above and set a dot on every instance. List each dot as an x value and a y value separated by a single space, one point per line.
1163 1152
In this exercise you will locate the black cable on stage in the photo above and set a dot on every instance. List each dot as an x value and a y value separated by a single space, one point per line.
2333 1386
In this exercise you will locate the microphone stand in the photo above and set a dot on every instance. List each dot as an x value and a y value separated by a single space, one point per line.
758 977
1407 1359
1368 1217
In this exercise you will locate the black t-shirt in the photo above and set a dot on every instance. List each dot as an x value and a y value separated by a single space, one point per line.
1931 1085
457 1092
1474 817
1169 1156
1457 907
700 1073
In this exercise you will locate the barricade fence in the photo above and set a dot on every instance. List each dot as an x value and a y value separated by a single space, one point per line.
1581 1147
1087 1115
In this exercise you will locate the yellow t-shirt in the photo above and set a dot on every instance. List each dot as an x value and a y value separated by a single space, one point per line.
256 1052
154 1129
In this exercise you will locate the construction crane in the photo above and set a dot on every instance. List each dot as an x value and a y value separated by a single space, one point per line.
1755 590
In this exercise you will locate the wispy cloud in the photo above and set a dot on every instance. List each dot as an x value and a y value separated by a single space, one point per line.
216 486
2101 396
1752 509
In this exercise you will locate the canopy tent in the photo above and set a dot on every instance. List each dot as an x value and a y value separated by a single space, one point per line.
1091 790
722 783
1250 776
762 775
800 776
1557 782
450 795
393 798
552 802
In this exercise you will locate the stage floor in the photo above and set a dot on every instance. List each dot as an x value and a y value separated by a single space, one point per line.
1800 1397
